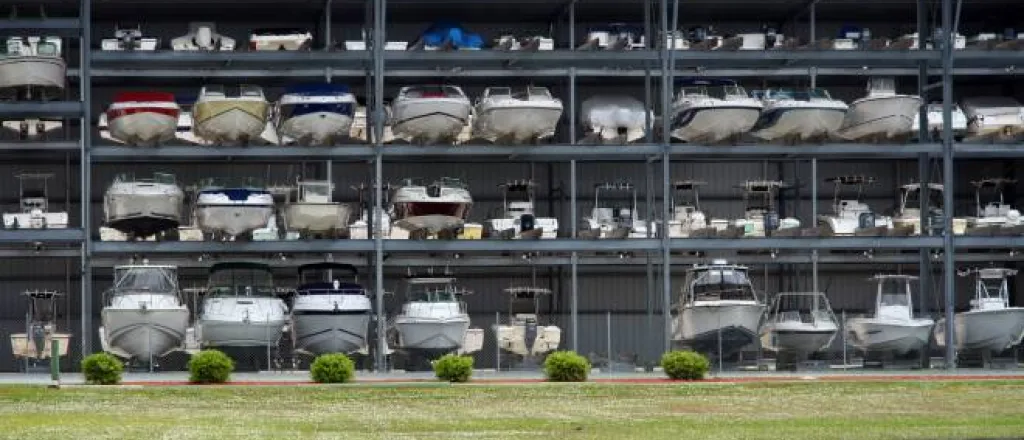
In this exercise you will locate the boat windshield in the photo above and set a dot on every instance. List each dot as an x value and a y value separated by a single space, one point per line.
433 293
46 48
882 85
134 279
316 192
241 282
893 292
451 182
791 94
717 92
250 91
432 91
214 90
722 284
990 287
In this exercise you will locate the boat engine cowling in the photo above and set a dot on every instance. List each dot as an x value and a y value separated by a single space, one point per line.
527 222
866 220
771 221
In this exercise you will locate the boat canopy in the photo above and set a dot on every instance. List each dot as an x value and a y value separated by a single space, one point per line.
323 276
144 97
145 279
720 283
441 289
241 279
432 91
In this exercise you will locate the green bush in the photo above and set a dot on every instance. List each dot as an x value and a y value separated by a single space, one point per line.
566 366
454 368
210 366
332 368
102 369
685 365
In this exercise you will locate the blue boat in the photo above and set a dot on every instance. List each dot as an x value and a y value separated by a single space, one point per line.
448 34
314 114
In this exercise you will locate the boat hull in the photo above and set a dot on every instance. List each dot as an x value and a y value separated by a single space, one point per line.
22 346
801 340
800 123
319 333
33 71
317 129
713 123
230 122
233 220
880 117
526 340
900 337
143 128
144 333
142 214
992 330
317 217
431 334
701 327
233 333
430 120
516 123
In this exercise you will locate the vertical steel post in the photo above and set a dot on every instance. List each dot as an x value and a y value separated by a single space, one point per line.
814 37
814 218
574 291
924 263
666 90
378 177
85 177
651 286
947 178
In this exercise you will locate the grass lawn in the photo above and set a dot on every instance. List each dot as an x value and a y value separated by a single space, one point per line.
810 410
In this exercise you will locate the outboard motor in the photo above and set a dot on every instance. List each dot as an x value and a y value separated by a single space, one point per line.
434 190
935 222
866 220
527 222
771 221
698 34
529 333
39 339
771 37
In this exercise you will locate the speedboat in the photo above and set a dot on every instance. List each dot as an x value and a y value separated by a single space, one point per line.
145 316
230 120
430 114
331 311
317 114
760 216
909 214
518 219
990 324
447 35
31 68
881 115
525 116
934 112
433 320
615 118
435 208
34 205
143 207
719 311
615 36
995 217
852 217
688 219
523 335
241 307
203 36
893 327
993 118
612 220
314 212
530 43
129 39
712 110
36 344
280 39
798 115
233 211
141 118
799 322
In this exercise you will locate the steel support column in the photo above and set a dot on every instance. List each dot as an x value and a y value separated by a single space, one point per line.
667 68
949 268
378 178
924 265
85 175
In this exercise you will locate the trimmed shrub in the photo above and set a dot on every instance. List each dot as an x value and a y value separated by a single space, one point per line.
332 368
102 369
210 366
454 368
685 365
566 366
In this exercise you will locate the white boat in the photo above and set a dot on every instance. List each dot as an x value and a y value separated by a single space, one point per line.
705 38
760 216
31 68
798 115
615 118
853 217
990 324
993 118
800 322
518 218
934 112
613 220
31 129
141 118
36 343
438 207
331 311
34 205
522 334
1008 40
719 311
882 115
524 44
688 219
615 36
203 36
524 116
280 39
959 41
241 308
233 211
314 211
995 216
712 111
143 207
359 229
892 327
433 320
430 114
365 44
144 316
909 214
316 114
230 120
129 39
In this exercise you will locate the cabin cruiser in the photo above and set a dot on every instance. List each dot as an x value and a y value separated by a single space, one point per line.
230 120
523 116
145 316
530 43
331 311
34 205
129 39
314 212
430 114
32 69
280 39
143 207
518 219
317 114
795 116
523 335
36 344
615 36
882 115
241 307
934 112
433 320
233 210
141 118
612 220
995 217
203 36
892 328
990 324
853 217
799 322
993 118
760 216
712 111
719 311
436 208
688 219
909 214
447 35
615 118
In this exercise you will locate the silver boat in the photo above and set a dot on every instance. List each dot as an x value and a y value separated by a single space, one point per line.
144 317
893 327
719 311
241 308
990 324
800 322
143 207
331 313
315 211
433 319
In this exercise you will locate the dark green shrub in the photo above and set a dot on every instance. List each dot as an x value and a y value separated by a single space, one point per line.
332 368
454 368
685 365
210 366
102 369
566 366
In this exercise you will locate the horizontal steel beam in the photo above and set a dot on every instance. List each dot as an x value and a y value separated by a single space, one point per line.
60 27
69 146
40 253
133 71
238 59
56 109
239 247
988 151
108 153
782 152
804 243
30 236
